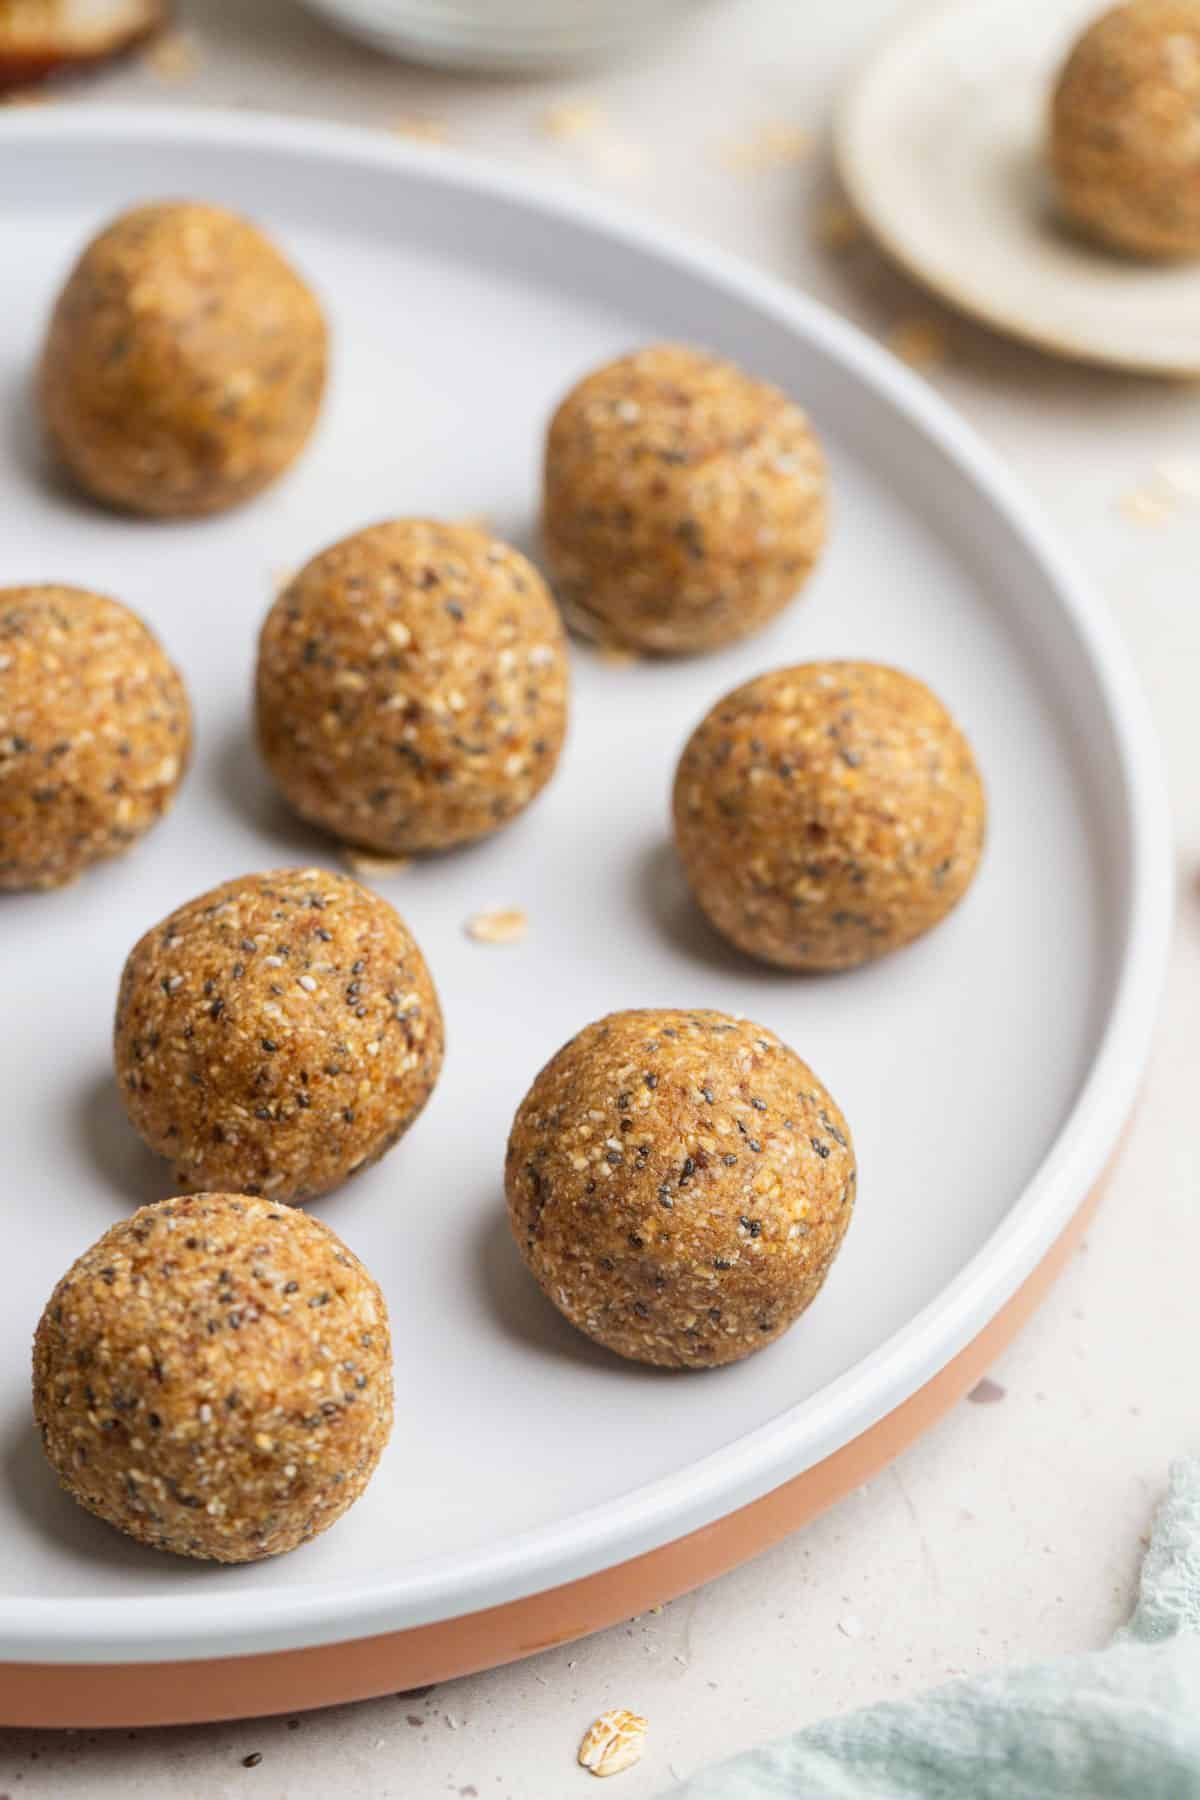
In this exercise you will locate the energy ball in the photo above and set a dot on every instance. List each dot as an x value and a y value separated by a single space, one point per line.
827 814
412 687
214 1377
1125 131
684 501
184 364
679 1183
277 1035
95 732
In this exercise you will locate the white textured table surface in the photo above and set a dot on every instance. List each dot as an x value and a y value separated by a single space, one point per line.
1012 1531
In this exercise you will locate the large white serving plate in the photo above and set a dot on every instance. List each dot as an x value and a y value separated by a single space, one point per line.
987 1071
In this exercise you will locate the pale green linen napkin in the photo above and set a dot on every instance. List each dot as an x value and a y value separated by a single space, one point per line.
1115 1724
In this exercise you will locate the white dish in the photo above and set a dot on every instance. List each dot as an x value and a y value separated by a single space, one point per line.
509 36
986 1072
940 145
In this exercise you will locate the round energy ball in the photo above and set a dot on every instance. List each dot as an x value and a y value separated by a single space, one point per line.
1125 129
95 732
214 1377
276 1035
184 364
684 501
412 686
828 813
679 1183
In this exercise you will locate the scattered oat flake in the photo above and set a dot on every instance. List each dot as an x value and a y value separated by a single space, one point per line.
837 225
571 119
172 56
508 925
771 146
850 1626
377 868
987 1392
33 96
921 343
425 128
1145 508
613 1742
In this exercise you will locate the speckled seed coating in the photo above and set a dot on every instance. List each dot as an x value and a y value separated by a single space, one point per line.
1125 129
412 686
214 1377
684 502
95 732
277 1035
828 813
184 364
679 1184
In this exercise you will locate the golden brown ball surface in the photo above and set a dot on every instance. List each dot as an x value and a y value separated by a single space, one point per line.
95 732
277 1035
1125 129
828 813
684 502
412 686
214 1377
184 364
679 1183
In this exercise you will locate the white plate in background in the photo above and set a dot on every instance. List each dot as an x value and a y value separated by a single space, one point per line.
940 145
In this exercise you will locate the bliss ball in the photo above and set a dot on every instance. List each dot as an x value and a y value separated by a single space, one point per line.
1125 129
827 814
277 1035
679 1184
184 364
412 687
95 732
684 501
214 1377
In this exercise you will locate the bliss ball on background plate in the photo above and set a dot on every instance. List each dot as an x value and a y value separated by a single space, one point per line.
684 502
1125 129
412 687
214 1377
184 364
828 813
277 1035
95 732
679 1183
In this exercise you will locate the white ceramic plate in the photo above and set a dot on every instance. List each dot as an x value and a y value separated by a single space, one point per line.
987 1071
939 143
513 36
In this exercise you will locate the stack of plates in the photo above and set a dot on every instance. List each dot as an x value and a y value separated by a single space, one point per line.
509 35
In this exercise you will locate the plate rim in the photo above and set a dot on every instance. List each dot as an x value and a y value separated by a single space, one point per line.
849 106
183 1625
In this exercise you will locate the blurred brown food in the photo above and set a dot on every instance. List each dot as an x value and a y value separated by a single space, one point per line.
39 38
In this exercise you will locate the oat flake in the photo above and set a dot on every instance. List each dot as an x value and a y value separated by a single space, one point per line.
613 1742
508 925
